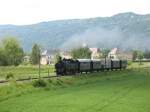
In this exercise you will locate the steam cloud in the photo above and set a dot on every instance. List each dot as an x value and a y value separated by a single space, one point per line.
104 38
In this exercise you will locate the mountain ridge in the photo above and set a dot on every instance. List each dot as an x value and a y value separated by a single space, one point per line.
127 27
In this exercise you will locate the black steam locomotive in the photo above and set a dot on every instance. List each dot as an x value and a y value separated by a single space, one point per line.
70 66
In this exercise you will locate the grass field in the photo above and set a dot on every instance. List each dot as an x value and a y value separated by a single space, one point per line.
138 65
24 71
113 91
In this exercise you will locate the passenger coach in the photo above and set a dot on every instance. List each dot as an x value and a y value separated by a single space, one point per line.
70 66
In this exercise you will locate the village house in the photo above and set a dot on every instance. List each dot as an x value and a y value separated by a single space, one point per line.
115 53
65 54
26 59
95 53
47 57
125 55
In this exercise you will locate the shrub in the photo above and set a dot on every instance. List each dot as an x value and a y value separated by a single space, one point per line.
50 81
129 62
39 83
59 82
25 63
9 75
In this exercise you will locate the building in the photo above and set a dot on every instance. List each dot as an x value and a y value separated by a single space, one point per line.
95 53
26 59
125 55
115 53
66 55
47 57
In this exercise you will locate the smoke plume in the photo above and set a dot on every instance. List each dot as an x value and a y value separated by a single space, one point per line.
104 38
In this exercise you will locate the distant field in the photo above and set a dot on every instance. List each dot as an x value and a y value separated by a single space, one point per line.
113 91
138 65
24 71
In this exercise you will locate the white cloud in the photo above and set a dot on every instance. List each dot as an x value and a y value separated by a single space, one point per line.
33 11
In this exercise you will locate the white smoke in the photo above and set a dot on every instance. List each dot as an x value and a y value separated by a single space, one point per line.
104 38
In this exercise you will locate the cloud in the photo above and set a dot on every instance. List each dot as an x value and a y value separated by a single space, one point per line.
32 11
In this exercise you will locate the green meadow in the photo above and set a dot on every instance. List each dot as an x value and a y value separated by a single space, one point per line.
110 91
23 71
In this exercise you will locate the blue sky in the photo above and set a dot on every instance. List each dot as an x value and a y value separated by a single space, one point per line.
21 12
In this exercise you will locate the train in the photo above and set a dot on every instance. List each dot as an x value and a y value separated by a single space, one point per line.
74 66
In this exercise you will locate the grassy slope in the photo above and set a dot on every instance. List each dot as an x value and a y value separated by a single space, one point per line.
109 91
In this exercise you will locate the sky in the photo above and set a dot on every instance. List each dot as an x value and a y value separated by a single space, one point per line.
23 12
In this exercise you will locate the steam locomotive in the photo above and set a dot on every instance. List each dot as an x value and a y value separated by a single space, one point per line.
70 66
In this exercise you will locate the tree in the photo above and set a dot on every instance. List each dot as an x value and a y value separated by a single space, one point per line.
140 56
134 54
147 54
81 53
11 51
57 58
3 60
35 54
105 52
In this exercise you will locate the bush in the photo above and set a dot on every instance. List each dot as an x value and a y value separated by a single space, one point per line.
129 62
9 75
26 63
39 83
59 82
50 81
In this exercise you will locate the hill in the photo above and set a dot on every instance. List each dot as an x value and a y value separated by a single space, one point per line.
125 30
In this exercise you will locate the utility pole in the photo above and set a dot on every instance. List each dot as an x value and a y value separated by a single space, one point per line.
39 65
49 65
105 60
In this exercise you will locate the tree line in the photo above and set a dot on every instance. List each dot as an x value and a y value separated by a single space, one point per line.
137 54
11 52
